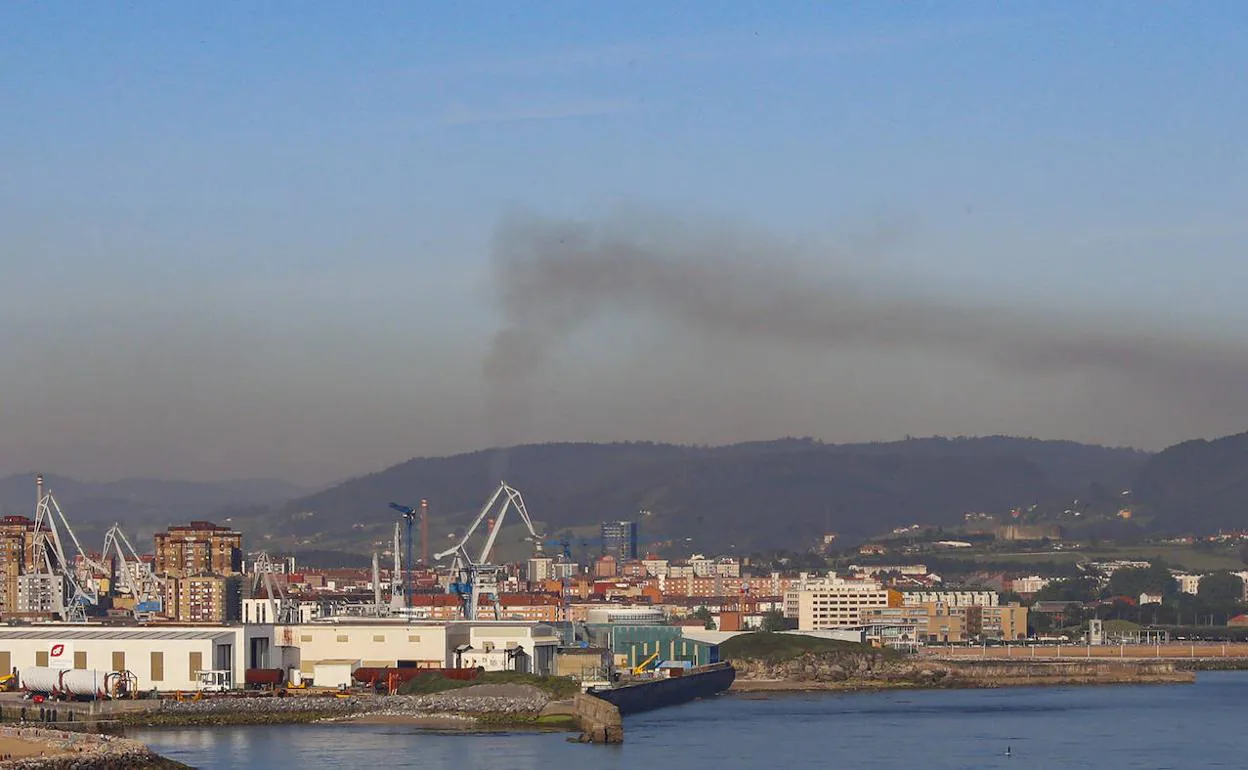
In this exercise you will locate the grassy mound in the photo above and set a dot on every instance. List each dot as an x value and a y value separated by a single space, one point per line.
558 687
775 648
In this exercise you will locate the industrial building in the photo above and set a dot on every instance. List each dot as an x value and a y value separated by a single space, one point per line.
502 646
633 644
370 643
381 643
161 657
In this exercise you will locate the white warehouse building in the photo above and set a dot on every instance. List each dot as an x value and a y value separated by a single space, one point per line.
170 657
380 643
165 658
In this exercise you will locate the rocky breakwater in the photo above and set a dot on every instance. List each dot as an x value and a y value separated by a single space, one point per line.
482 703
787 662
837 669
248 711
815 670
998 673
478 704
32 748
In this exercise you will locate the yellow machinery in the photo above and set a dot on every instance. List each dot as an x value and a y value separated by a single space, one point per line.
641 667
121 684
8 683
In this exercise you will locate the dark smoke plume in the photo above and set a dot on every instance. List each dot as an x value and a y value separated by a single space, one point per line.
556 277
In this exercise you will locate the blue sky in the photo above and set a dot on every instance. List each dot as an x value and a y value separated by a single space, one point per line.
247 239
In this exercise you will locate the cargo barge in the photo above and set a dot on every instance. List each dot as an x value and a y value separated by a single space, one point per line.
680 686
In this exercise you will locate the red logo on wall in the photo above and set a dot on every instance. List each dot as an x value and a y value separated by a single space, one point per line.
58 650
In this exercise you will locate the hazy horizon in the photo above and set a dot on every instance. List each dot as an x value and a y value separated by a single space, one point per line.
308 242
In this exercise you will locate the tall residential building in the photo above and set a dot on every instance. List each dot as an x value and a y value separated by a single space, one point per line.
540 568
199 548
836 603
619 539
40 593
203 599
17 557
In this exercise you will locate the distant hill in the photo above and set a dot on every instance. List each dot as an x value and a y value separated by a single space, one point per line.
744 497
1197 486
140 505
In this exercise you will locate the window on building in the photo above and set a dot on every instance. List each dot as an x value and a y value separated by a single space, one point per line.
158 666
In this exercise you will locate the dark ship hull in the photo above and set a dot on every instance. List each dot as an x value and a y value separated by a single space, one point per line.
647 694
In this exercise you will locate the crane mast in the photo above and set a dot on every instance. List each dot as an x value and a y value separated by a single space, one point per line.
476 578
409 516
281 609
134 576
396 575
49 548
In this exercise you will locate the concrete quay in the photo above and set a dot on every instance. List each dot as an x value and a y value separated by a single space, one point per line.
1168 651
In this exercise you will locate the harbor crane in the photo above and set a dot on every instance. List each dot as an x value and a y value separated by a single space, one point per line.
281 609
49 549
474 578
133 575
409 518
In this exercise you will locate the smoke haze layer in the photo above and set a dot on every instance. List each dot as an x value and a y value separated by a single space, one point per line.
755 298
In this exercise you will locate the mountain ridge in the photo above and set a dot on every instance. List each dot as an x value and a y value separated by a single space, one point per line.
719 498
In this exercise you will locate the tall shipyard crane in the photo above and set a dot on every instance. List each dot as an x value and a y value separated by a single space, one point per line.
52 559
409 516
474 578
133 575
281 609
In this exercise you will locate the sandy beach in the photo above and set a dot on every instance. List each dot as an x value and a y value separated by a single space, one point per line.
17 748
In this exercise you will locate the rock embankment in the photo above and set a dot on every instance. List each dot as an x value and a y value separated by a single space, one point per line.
64 750
487 701
517 700
824 670
830 668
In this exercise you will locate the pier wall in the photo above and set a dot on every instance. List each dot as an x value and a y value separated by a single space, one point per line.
1170 650
600 721
824 671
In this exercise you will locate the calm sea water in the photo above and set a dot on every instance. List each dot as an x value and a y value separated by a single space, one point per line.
1174 726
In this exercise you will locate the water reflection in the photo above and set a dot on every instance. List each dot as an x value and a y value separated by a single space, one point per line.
1183 726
